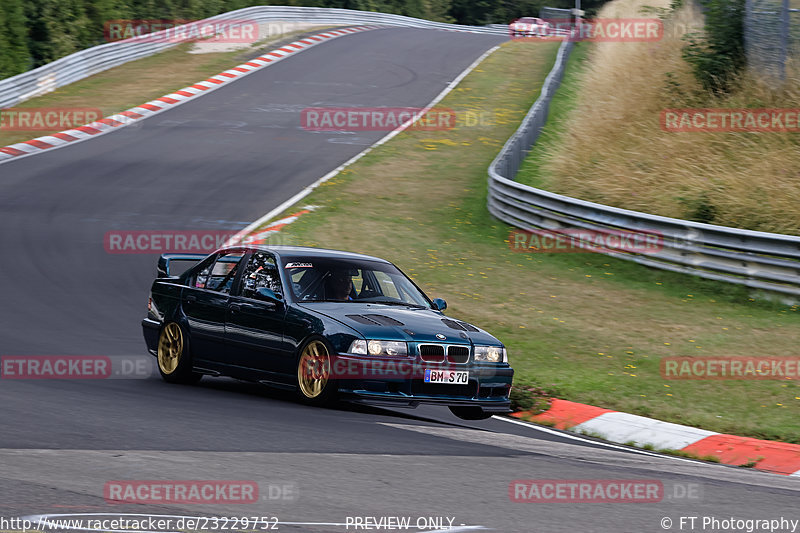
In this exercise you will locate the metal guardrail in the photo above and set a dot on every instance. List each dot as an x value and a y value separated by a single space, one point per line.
771 37
105 56
760 260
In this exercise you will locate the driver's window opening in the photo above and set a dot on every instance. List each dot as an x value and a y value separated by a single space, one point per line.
201 278
261 273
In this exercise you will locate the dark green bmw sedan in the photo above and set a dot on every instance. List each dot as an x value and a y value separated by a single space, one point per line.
324 324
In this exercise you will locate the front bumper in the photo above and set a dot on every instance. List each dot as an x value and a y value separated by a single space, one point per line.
396 385
398 400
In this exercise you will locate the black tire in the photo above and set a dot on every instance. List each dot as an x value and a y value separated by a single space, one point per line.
470 413
174 357
312 378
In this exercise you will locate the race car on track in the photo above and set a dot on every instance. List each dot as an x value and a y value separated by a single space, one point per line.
323 323
529 27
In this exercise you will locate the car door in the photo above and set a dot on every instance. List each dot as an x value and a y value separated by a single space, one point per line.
255 322
205 303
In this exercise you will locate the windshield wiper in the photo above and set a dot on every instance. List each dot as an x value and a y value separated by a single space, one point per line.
394 302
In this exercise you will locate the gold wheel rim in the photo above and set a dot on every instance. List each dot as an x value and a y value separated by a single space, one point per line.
170 348
313 369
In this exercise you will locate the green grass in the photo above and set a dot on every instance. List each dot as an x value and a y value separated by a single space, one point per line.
691 455
591 327
561 105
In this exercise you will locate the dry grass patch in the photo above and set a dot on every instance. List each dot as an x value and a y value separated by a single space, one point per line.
615 151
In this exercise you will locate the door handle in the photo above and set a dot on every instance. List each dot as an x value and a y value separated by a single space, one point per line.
236 307
191 298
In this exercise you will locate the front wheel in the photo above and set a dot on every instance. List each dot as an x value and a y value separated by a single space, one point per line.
174 361
470 413
314 383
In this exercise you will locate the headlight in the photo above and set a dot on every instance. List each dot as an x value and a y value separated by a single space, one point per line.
375 347
492 354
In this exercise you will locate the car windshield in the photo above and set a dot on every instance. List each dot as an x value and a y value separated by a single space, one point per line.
317 279
528 20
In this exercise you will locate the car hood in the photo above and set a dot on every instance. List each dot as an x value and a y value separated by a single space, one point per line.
393 322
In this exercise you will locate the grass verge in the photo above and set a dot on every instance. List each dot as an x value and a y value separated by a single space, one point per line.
561 105
592 327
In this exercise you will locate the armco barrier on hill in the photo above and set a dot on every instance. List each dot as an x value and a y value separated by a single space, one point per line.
760 260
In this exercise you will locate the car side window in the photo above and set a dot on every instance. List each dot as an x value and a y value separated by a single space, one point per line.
220 276
200 276
261 272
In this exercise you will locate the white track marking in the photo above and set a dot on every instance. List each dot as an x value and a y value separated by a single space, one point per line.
570 436
305 192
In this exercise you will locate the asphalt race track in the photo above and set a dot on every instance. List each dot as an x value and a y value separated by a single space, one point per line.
218 163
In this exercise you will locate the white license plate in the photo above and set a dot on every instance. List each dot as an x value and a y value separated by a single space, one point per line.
451 377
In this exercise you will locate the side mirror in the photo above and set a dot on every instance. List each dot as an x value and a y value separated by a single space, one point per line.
439 304
268 295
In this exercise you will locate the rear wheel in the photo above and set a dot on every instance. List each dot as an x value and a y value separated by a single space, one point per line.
470 413
174 361
314 383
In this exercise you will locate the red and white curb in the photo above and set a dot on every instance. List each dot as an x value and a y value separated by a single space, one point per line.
272 228
624 428
249 237
169 101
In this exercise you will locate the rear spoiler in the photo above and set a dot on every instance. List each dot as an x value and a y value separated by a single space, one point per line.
165 260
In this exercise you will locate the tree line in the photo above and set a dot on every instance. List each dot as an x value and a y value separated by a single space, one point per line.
33 33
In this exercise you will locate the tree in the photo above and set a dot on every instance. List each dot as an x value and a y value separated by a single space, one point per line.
57 28
438 10
718 55
15 56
